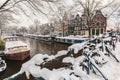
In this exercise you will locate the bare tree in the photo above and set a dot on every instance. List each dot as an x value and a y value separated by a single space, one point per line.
37 5
31 29
37 25
90 6
117 26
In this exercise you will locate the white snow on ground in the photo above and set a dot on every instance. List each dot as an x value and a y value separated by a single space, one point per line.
77 47
60 53
107 39
110 68
68 60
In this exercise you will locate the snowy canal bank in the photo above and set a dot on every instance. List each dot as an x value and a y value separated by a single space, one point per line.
99 61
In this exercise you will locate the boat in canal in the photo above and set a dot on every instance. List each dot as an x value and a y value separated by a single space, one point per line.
71 40
15 49
3 65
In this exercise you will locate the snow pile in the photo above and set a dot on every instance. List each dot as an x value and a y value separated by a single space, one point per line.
77 47
68 60
16 47
13 44
60 53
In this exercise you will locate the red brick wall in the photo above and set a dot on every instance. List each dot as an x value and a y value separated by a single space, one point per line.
98 21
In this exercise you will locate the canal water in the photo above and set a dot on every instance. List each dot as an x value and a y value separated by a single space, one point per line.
37 47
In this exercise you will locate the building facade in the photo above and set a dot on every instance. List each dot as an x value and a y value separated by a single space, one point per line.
78 25
65 24
71 25
98 24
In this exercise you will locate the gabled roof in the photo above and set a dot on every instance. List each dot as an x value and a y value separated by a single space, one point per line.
98 12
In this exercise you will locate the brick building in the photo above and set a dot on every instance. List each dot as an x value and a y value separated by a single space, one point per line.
78 25
98 24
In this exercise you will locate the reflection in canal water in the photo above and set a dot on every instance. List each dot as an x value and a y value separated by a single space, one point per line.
44 47
36 47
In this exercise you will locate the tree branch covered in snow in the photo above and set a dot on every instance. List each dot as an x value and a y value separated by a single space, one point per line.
114 10
8 5
4 4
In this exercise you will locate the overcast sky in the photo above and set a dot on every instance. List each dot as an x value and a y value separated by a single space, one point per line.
26 21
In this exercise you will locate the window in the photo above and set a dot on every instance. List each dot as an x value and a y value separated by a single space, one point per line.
93 24
98 18
93 31
97 24
79 33
102 30
79 28
97 31
76 28
102 24
83 32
